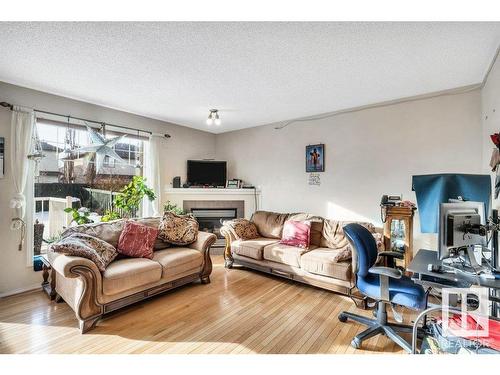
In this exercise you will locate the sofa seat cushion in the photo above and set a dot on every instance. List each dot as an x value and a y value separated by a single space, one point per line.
129 273
252 248
284 254
177 260
321 261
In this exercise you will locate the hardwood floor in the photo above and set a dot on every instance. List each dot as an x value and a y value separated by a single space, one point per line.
241 311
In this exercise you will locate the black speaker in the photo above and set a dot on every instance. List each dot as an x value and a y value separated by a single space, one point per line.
176 182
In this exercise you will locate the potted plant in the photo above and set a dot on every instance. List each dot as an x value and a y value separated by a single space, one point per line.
110 215
172 207
130 197
80 216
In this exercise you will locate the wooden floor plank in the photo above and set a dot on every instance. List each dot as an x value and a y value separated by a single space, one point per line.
240 311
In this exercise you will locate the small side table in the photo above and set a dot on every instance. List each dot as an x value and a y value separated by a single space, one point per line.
398 232
48 286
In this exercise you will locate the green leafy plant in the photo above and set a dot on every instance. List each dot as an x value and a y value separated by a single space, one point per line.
80 216
130 197
110 215
53 238
172 207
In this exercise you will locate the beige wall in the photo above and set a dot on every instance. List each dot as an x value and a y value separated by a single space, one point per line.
185 144
368 153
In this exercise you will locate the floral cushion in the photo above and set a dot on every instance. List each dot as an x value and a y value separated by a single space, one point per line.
177 229
83 245
379 239
344 253
296 233
244 229
137 240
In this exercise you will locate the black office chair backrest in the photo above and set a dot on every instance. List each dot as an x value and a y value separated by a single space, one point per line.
364 248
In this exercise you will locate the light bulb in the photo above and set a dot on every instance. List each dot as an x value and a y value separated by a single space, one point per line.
210 121
217 121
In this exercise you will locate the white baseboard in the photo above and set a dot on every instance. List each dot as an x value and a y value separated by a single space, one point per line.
20 290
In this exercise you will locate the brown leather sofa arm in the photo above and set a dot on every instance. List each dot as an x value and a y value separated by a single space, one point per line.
83 300
64 264
228 232
229 235
203 243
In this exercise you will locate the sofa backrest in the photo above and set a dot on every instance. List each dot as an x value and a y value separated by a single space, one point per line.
333 235
324 232
111 230
269 224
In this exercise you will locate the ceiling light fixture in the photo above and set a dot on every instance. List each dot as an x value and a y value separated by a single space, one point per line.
213 117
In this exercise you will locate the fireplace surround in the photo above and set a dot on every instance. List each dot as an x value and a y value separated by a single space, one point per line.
211 213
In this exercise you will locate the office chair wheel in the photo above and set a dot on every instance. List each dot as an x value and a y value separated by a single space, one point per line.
355 343
342 318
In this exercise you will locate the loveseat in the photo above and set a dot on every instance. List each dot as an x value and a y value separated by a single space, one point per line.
92 293
326 263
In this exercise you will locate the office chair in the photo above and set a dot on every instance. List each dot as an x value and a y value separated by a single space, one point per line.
384 284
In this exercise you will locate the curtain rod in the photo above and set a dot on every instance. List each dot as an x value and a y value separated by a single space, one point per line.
11 107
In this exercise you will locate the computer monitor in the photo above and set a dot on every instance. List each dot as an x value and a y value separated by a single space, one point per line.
453 218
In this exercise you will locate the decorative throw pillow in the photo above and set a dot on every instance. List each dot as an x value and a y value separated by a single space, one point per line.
137 240
379 239
177 229
342 254
83 245
296 233
153 222
245 229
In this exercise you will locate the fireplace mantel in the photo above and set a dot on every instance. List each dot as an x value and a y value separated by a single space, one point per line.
207 191
251 197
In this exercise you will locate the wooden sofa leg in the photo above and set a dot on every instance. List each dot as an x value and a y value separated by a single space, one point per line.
205 280
87 325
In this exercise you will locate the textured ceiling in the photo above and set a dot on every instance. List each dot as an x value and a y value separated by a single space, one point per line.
255 73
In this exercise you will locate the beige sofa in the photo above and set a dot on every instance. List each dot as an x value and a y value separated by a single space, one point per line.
92 293
315 266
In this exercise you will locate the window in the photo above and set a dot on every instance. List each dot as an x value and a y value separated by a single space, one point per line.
66 177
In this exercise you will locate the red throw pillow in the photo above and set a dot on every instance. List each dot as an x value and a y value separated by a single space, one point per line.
137 240
296 233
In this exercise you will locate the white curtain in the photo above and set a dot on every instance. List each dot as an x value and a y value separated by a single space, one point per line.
22 127
151 172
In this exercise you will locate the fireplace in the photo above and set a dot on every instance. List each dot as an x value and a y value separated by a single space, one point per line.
211 213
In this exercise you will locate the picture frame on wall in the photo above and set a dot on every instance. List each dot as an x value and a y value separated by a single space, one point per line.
315 158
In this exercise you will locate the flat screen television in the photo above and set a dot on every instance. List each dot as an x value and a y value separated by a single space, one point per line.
206 172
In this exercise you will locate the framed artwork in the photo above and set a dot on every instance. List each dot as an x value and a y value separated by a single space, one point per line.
315 158
233 184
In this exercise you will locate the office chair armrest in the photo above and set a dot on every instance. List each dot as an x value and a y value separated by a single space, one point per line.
392 254
393 273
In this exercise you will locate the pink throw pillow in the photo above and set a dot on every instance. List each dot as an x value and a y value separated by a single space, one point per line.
137 240
296 233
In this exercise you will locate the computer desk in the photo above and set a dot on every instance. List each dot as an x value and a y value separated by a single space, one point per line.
418 266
